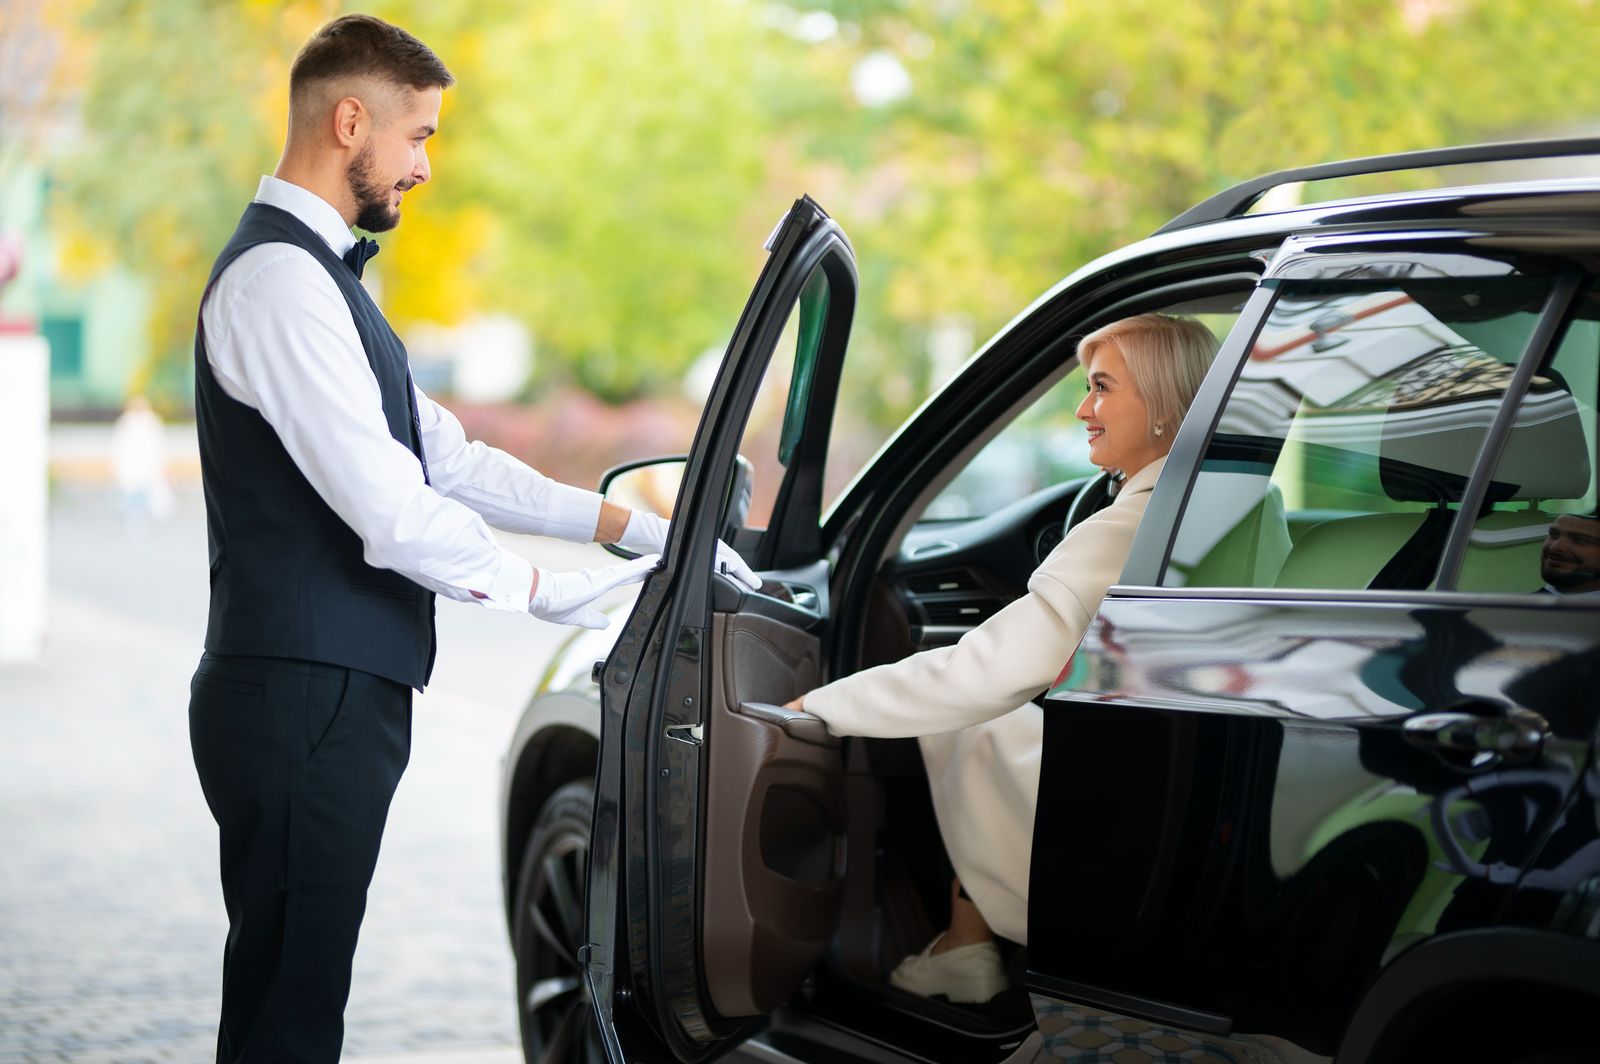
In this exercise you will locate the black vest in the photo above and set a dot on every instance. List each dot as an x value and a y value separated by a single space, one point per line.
287 575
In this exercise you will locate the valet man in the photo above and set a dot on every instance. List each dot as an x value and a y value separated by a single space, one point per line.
340 500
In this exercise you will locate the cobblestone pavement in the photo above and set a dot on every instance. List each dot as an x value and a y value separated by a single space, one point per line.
111 918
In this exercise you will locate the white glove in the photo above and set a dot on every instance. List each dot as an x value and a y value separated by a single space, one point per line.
647 533
564 597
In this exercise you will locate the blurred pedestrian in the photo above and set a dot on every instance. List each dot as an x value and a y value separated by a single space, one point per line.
139 463
339 500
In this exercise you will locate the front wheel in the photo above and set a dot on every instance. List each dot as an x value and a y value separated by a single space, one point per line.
553 1008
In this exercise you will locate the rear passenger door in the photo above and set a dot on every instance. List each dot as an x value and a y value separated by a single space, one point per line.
1330 712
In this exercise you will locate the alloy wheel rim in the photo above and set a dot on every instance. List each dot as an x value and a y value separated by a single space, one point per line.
556 1016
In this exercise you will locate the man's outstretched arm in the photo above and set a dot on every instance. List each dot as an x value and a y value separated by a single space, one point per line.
518 498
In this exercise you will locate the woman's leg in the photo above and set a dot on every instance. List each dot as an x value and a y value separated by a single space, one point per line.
962 965
967 925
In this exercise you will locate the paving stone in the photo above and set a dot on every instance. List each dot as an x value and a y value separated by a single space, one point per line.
111 917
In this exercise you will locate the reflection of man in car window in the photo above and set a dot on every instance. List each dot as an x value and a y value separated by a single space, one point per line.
1569 564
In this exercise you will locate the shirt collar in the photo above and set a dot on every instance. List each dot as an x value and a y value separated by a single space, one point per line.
310 208
1548 590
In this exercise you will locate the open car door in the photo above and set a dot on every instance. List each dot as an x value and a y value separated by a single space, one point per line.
717 868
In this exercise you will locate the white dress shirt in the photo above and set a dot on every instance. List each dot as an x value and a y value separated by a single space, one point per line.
280 339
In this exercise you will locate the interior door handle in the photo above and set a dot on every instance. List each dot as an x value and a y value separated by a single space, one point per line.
795 723
1514 734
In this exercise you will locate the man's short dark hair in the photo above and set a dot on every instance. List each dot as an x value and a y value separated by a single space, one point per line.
361 45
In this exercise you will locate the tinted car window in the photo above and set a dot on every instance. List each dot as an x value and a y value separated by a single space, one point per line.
1540 532
779 406
1045 445
1351 432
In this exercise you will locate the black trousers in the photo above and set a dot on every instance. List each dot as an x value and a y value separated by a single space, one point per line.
298 761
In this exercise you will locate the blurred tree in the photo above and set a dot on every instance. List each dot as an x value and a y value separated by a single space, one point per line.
30 54
1039 135
599 169
606 170
179 95
620 150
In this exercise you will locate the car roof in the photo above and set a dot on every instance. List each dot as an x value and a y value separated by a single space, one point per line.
1237 200
1577 200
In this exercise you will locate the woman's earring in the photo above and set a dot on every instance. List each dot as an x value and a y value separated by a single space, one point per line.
1158 430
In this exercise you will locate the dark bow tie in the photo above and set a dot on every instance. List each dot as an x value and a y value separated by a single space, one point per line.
362 250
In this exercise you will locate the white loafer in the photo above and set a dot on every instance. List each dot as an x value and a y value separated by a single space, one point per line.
967 975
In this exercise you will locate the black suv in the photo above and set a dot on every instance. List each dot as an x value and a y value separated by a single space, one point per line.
1318 783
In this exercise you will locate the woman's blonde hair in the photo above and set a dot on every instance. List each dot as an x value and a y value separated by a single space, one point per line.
1167 357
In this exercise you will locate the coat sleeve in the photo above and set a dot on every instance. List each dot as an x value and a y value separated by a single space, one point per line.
1004 662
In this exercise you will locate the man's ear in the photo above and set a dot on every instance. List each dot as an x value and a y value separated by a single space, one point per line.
351 120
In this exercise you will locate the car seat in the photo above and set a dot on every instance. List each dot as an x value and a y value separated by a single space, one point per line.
1426 454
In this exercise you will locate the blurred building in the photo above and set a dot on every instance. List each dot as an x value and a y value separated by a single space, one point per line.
96 328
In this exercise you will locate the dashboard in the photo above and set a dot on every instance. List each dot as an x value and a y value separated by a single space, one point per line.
952 575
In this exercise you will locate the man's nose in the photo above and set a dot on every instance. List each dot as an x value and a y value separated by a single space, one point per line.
422 171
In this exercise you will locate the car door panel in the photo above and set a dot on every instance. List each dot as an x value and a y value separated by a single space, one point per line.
774 839
1269 804
951 576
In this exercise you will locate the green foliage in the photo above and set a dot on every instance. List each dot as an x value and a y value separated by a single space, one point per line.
173 148
621 152
1040 135
606 169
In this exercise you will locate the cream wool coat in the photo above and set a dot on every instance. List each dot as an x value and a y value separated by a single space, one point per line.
981 750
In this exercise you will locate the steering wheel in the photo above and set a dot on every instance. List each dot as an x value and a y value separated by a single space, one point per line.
1095 496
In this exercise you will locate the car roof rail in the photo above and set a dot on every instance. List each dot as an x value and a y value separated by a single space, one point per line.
1237 201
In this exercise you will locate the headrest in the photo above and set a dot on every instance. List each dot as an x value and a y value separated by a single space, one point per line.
1414 433
1437 421
1546 456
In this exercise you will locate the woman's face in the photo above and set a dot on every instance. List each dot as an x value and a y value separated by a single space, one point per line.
1116 416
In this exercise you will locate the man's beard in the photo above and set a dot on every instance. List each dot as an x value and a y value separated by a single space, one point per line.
1568 579
373 212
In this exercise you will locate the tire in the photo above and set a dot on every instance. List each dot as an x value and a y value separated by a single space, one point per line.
553 1007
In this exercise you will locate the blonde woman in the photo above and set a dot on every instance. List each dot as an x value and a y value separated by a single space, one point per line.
981 750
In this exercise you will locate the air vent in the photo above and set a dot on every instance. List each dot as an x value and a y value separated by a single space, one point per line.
944 582
967 611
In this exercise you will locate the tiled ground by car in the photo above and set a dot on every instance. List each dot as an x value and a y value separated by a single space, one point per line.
111 922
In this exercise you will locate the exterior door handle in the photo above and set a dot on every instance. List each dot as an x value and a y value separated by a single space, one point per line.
1513 734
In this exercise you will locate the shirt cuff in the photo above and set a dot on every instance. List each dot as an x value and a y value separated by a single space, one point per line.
511 584
571 513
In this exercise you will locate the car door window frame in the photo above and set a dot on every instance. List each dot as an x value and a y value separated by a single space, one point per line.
793 536
650 780
872 516
1309 258
1541 346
